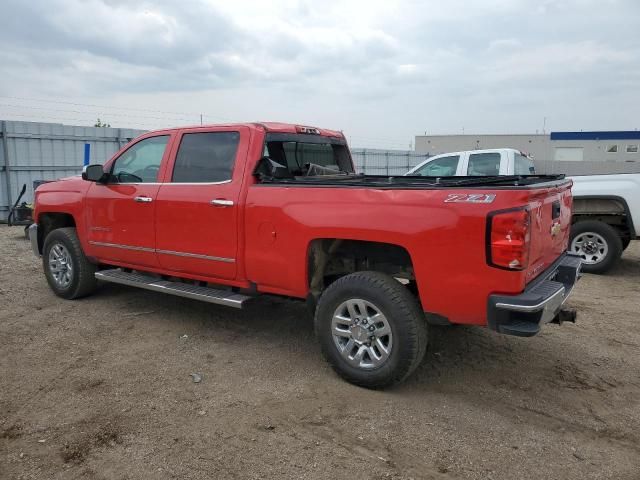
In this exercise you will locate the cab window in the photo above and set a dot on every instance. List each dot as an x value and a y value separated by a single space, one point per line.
206 157
523 165
141 162
484 164
440 167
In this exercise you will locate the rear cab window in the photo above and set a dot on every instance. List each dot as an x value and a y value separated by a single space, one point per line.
308 155
523 165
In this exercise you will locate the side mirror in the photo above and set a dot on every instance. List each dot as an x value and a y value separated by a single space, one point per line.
93 173
268 168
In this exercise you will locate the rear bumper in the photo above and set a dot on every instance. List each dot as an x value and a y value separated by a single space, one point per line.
540 303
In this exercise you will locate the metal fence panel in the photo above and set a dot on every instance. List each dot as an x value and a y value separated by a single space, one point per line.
385 162
32 151
48 151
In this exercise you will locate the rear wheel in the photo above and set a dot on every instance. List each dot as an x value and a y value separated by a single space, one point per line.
597 243
69 274
371 329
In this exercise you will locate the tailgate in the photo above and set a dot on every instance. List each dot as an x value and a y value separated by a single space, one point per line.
550 224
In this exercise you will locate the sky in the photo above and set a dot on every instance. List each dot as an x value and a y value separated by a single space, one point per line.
381 71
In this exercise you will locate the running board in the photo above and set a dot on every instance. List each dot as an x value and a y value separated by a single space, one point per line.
204 294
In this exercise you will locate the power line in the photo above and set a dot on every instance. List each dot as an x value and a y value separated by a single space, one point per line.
110 114
79 104
81 120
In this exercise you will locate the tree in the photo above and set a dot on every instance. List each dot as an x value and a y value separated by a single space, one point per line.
100 123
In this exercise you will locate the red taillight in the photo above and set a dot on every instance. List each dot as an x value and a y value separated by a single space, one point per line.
508 239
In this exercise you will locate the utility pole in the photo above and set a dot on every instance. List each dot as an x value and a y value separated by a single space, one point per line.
200 119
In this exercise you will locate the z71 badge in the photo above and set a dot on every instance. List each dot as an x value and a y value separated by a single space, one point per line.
470 198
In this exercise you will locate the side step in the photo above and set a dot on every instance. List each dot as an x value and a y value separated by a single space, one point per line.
204 294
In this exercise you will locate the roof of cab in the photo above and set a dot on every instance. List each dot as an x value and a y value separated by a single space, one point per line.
274 127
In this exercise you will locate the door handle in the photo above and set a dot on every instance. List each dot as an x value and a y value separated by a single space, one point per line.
143 199
221 202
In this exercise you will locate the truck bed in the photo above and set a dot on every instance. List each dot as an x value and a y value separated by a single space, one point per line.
417 182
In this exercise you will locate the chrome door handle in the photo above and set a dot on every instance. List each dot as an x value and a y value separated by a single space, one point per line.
143 199
220 202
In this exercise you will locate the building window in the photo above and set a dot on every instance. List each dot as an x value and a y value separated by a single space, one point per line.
632 148
569 154
612 149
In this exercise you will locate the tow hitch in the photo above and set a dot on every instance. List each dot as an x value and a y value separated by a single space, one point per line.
565 315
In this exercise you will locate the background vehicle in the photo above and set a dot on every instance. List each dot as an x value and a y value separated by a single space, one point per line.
606 208
222 213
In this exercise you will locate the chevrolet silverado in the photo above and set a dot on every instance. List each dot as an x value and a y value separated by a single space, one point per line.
224 213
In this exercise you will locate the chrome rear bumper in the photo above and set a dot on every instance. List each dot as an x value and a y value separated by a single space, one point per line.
540 303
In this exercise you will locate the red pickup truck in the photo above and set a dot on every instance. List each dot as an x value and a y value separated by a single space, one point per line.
224 213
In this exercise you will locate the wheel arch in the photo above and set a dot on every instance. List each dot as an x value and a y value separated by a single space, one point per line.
49 221
611 209
331 258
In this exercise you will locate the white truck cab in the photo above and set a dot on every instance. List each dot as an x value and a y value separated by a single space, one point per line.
496 161
606 208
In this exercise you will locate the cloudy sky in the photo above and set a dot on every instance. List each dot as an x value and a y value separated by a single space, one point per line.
382 71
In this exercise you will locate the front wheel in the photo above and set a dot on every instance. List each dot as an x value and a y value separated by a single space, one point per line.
69 274
597 243
371 329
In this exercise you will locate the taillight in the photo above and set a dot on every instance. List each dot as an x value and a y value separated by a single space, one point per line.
508 239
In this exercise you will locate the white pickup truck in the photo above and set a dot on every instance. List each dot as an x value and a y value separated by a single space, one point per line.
606 208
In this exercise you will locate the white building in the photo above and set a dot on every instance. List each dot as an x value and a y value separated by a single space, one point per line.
569 152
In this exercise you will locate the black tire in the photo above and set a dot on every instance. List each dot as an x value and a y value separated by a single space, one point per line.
608 234
403 314
625 242
82 277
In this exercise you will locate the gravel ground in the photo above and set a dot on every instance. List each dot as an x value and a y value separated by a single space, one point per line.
102 388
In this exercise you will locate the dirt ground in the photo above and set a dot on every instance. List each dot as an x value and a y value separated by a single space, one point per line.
102 388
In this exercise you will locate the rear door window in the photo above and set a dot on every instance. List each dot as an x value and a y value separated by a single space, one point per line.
482 164
440 167
206 157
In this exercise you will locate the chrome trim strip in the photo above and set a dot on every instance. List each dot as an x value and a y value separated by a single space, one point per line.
164 252
170 183
125 247
198 183
532 308
197 255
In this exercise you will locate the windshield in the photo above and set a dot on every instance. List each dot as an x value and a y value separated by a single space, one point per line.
309 155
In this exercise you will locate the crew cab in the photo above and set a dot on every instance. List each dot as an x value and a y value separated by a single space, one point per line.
225 213
606 208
